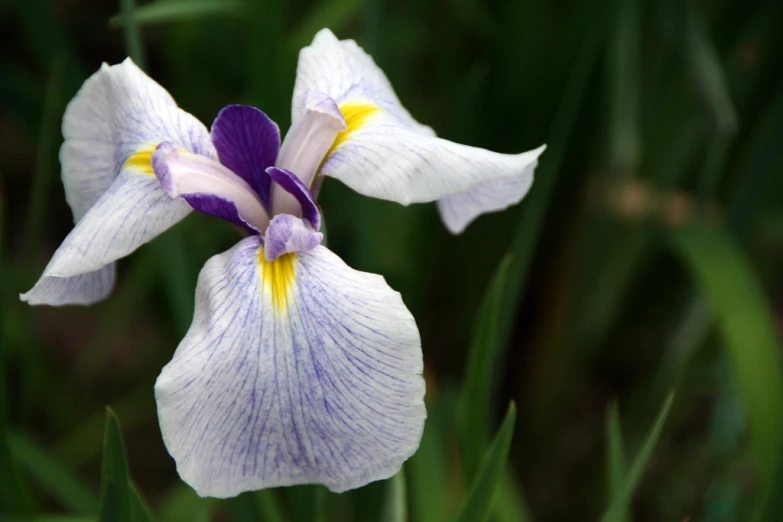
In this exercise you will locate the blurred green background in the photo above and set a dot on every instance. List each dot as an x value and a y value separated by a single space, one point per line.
645 260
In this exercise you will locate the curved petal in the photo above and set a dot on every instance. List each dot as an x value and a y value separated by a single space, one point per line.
384 152
119 112
301 203
247 142
460 210
133 211
297 371
209 187
83 289
111 128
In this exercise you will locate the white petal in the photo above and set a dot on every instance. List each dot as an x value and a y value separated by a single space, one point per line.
83 289
458 211
118 112
385 153
293 372
134 210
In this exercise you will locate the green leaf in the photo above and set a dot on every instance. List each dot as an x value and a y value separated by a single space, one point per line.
50 518
269 506
52 476
427 469
133 43
140 510
748 332
480 377
115 504
182 504
395 508
619 505
178 10
478 504
334 14
615 455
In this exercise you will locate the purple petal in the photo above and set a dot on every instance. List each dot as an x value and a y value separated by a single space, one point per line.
247 142
294 186
287 233
218 207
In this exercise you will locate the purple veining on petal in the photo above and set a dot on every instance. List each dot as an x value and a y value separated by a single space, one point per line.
247 142
220 208
294 186
287 233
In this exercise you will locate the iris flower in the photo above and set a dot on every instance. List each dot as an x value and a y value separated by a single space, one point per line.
296 368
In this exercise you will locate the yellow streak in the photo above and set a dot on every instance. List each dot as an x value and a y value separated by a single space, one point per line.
277 276
356 115
141 160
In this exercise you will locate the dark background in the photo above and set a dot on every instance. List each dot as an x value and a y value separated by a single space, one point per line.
645 259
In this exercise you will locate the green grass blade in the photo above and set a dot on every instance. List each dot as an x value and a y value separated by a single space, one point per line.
178 10
510 504
478 505
133 41
619 505
54 478
334 14
395 508
615 455
483 359
140 510
46 155
269 506
427 469
182 504
746 326
115 504
533 211
624 139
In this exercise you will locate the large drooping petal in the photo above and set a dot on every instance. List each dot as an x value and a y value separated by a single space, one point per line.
296 371
384 152
247 142
459 210
133 211
111 129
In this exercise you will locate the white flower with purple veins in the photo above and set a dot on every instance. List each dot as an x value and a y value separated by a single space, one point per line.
296 369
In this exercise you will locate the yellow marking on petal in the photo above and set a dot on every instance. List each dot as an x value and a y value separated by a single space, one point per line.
356 115
141 160
277 277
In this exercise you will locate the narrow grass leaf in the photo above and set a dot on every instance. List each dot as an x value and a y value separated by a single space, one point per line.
427 469
133 43
615 456
334 14
534 208
480 376
54 478
747 329
140 510
179 10
510 504
182 504
46 155
619 505
269 506
115 504
478 504
395 508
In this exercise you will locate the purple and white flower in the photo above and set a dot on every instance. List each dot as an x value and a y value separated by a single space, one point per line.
296 368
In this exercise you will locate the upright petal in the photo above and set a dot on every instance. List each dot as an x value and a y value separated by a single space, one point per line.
297 371
247 142
384 152
111 129
301 202
459 210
